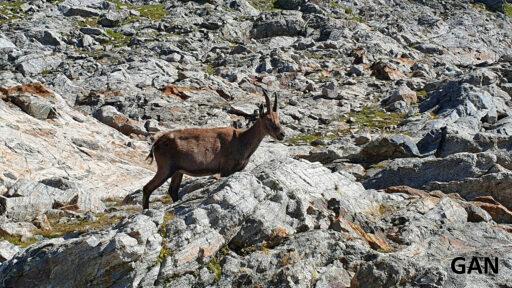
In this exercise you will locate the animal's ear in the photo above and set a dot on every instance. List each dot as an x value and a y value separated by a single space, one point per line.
261 110
275 102
267 100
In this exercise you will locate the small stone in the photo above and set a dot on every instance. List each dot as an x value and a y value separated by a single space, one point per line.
51 38
386 71
23 229
42 222
477 214
330 90
87 41
113 118
289 4
7 250
6 43
80 11
356 70
35 107
403 93
498 212
152 126
92 31
362 139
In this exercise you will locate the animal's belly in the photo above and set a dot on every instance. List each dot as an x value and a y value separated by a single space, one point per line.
198 173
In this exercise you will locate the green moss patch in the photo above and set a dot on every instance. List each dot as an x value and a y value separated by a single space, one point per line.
264 5
165 251
59 229
215 268
309 138
374 118
16 240
117 39
507 9
210 70
10 11
154 12
335 5
120 4
479 6
421 94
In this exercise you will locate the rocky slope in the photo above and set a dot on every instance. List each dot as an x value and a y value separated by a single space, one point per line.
397 159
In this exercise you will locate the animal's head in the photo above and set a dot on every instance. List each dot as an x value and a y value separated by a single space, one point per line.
271 118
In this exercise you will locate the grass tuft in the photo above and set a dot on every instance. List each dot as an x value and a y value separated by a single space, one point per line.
264 5
59 229
10 11
154 12
309 138
16 240
117 39
215 268
102 221
165 251
421 94
210 70
507 9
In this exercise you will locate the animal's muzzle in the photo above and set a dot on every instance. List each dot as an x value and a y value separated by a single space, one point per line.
280 136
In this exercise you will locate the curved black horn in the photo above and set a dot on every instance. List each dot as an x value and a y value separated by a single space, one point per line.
275 102
267 100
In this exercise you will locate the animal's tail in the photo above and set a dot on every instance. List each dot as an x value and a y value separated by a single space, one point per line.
151 154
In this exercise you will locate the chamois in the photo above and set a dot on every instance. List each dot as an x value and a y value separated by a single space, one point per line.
208 151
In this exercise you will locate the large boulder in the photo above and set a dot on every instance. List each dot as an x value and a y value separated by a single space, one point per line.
282 25
497 185
48 37
384 148
113 18
289 4
120 257
458 100
37 63
402 94
267 204
418 172
495 5
26 199
21 229
34 106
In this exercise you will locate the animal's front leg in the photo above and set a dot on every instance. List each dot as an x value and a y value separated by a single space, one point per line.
160 177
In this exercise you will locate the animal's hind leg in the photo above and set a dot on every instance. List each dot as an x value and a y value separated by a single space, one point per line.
175 185
160 177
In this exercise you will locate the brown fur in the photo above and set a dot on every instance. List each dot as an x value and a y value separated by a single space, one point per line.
208 151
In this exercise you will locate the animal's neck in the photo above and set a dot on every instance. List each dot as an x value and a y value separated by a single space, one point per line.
251 138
